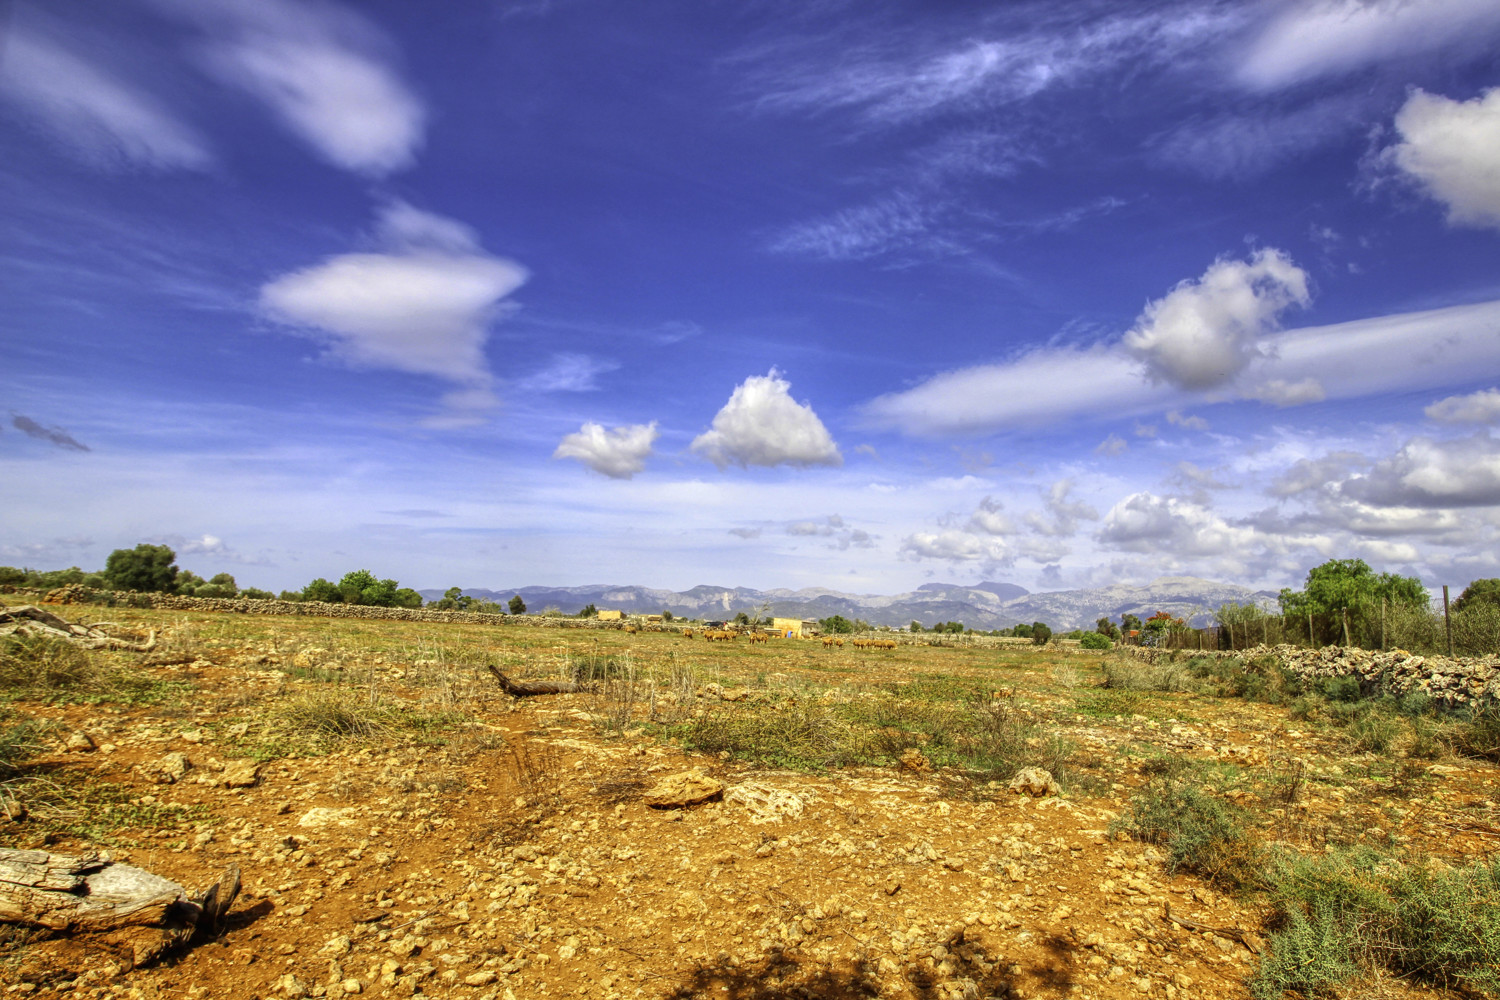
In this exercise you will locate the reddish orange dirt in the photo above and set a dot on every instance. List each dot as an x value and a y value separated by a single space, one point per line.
519 860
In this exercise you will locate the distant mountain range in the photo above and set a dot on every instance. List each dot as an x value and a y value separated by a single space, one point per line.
983 605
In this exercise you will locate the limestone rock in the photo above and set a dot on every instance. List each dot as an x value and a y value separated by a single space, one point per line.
80 742
168 769
688 788
913 759
241 774
1036 782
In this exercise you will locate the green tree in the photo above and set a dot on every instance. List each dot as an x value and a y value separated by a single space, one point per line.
145 567
915 626
666 616
218 585
837 625
1040 633
188 583
10 576
1341 584
1479 592
517 606
322 590
405 597
1130 623
741 618
256 594
1107 628
297 595
1021 631
589 611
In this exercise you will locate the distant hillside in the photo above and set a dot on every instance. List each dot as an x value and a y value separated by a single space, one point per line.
984 605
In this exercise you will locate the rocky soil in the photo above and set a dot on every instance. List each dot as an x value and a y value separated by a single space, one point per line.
552 847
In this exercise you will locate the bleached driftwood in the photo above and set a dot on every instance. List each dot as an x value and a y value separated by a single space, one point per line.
523 689
28 619
92 894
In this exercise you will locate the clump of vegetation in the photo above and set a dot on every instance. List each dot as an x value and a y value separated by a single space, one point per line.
1201 832
793 734
321 721
1355 910
1478 735
49 669
1095 640
20 741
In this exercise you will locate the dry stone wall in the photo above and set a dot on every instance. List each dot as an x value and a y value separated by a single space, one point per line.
1452 681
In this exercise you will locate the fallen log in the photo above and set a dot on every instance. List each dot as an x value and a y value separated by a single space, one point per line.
525 689
28 619
131 907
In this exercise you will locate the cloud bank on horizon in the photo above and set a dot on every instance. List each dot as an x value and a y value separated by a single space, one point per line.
1069 292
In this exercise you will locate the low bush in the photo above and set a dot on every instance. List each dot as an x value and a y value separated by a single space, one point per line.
1202 832
1354 910
1477 736
1094 640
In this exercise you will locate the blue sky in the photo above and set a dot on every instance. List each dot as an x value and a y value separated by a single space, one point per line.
770 294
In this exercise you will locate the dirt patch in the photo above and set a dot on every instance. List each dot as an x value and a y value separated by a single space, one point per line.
438 838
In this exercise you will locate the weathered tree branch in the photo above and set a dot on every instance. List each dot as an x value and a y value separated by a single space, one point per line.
525 689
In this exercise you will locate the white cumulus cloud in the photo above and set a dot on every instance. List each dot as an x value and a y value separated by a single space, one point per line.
619 452
763 425
104 120
421 304
1203 333
1145 522
953 545
1451 149
1432 473
1481 407
328 73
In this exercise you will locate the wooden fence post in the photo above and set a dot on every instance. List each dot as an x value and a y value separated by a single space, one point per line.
1346 628
1311 639
1447 621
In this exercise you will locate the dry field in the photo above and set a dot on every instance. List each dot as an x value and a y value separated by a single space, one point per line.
405 828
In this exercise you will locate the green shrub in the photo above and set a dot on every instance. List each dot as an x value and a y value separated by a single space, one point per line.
1093 640
1202 833
1354 910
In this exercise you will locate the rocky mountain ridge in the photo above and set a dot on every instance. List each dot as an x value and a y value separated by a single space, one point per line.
987 605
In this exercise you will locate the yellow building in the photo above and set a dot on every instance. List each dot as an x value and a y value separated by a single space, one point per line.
610 616
793 628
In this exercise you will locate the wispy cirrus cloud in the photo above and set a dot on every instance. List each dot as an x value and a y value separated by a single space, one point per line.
103 119
568 371
1323 38
328 73
1452 346
904 76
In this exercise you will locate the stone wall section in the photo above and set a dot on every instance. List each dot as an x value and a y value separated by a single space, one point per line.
1452 681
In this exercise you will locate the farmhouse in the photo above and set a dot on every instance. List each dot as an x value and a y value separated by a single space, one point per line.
794 628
